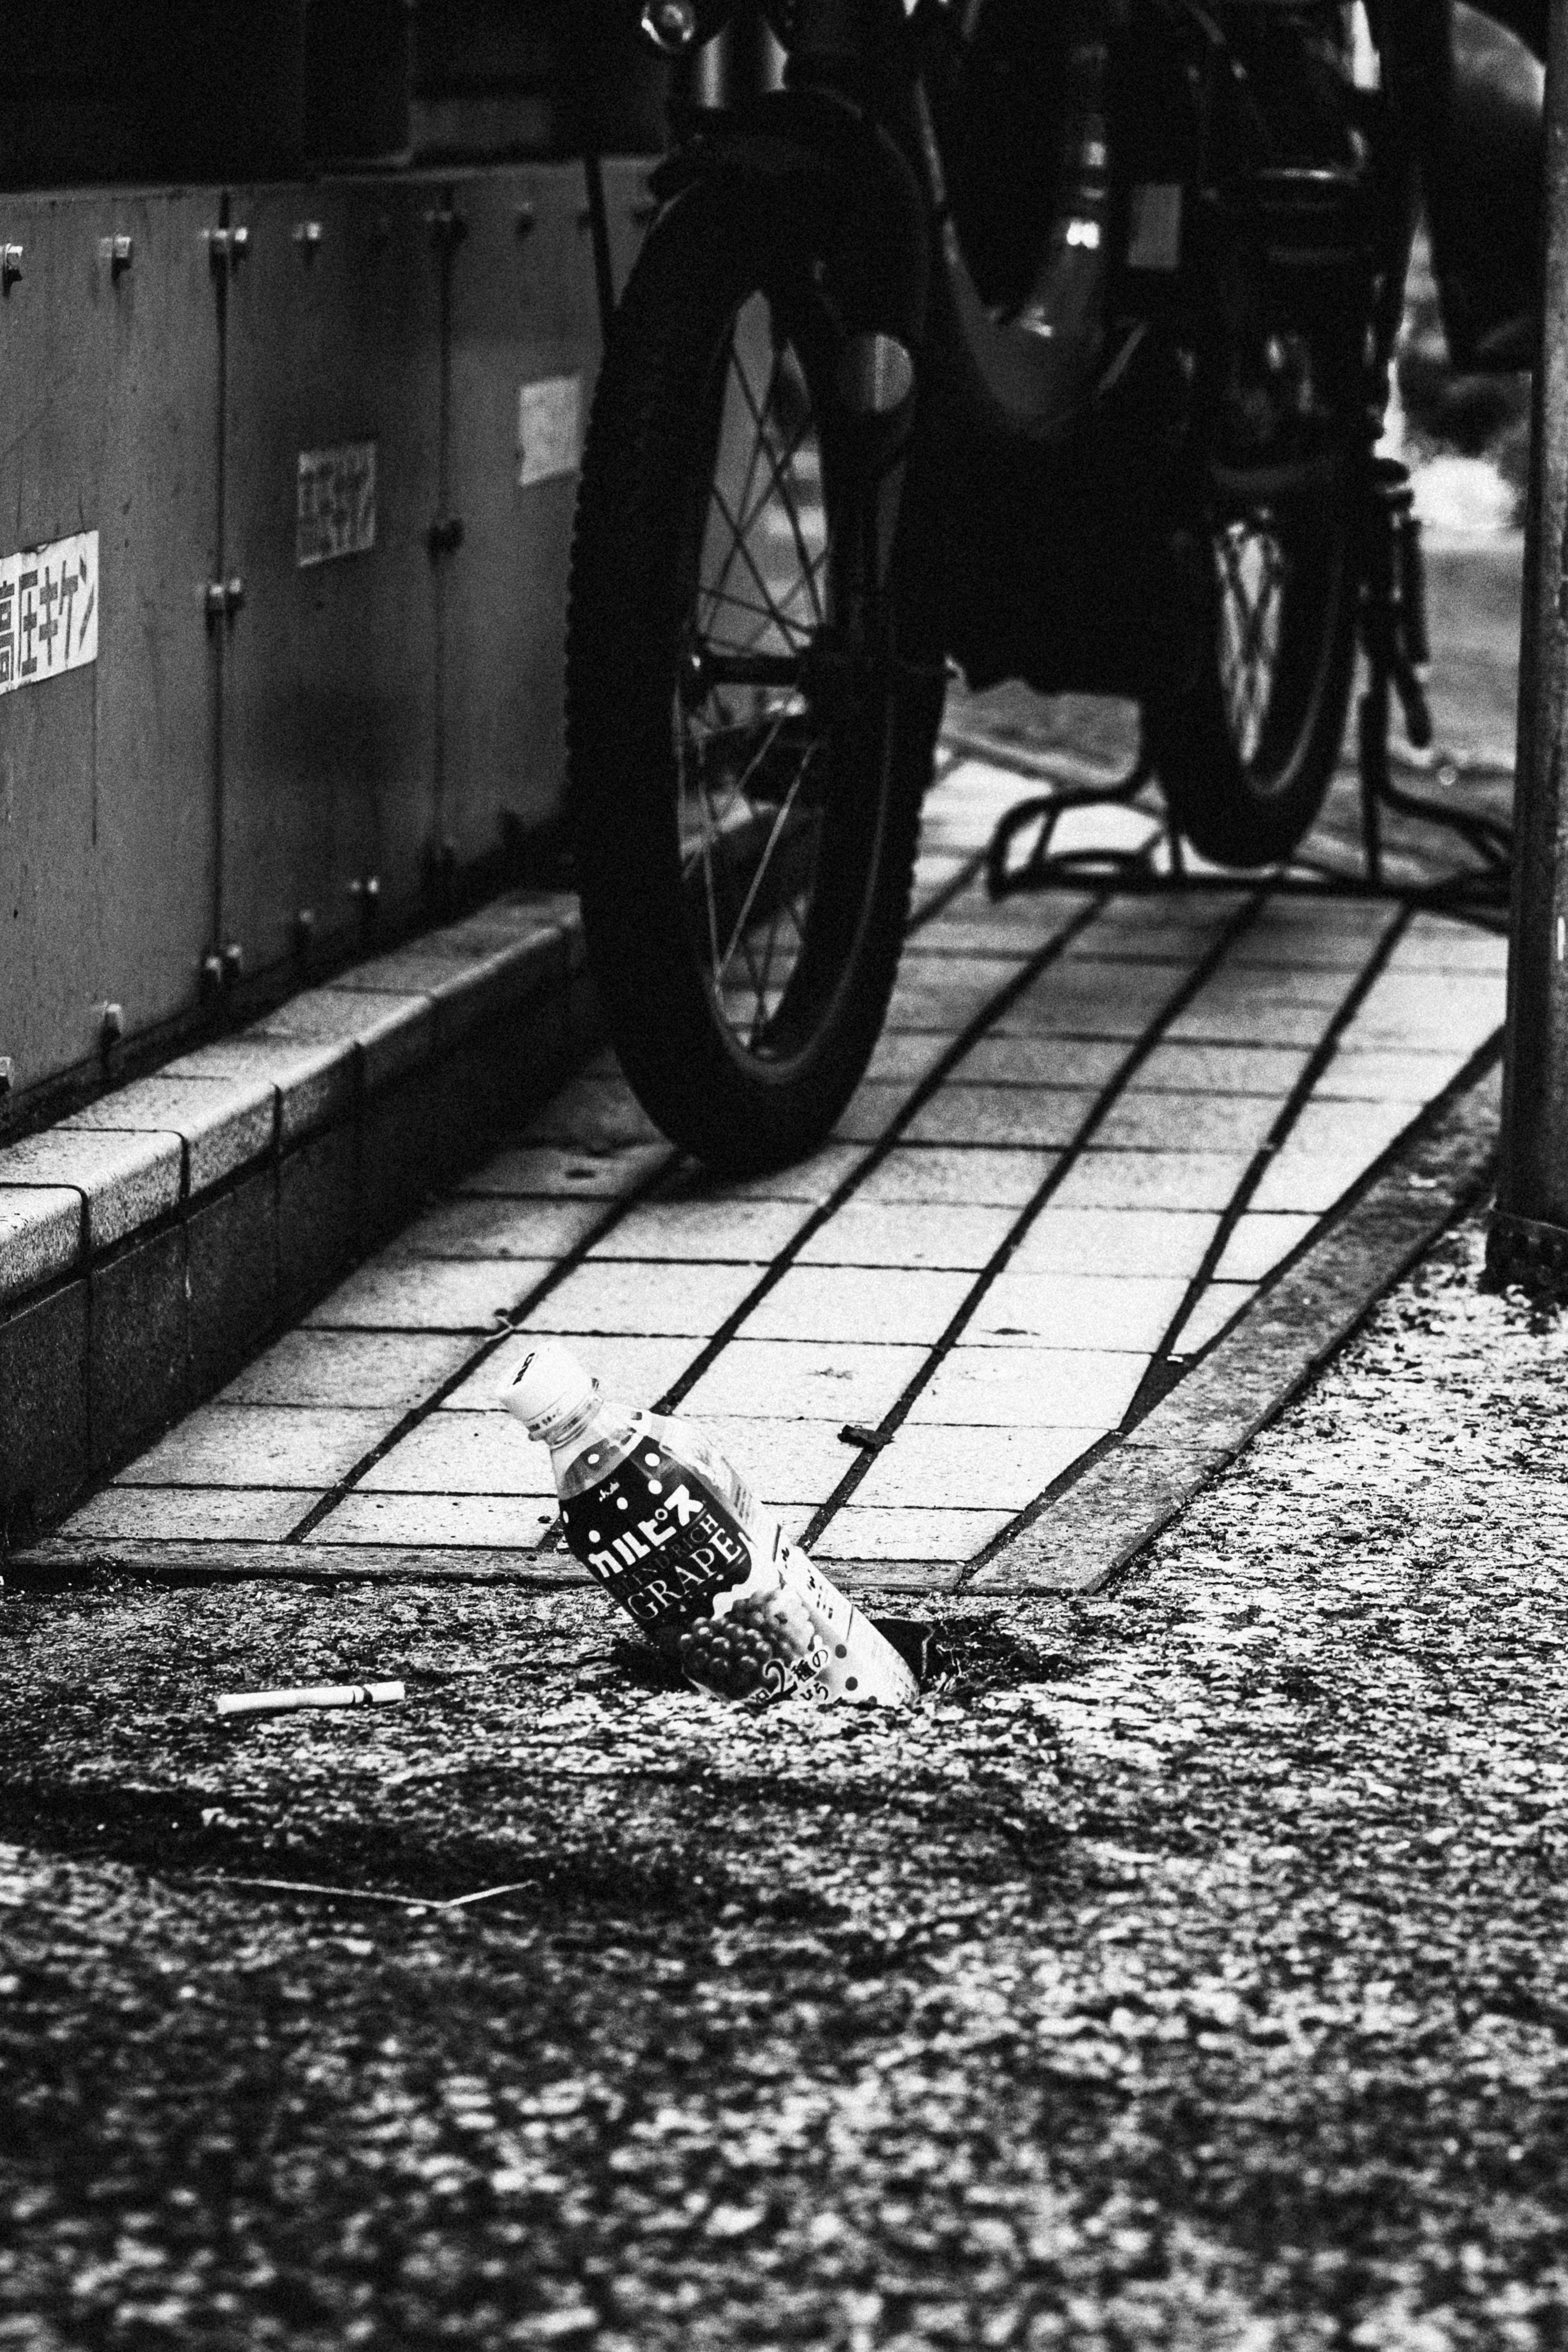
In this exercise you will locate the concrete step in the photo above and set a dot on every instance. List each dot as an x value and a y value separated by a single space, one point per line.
151 1242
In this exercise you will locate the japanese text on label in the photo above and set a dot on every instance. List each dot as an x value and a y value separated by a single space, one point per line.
48 610
336 511
549 429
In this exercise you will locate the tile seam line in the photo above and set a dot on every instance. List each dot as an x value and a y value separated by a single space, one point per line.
1463 1197
1280 1127
897 1413
1144 1404
617 1213
1471 1187
418 1413
880 1150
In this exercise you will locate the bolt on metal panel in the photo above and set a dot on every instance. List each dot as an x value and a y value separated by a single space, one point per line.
331 484
1529 1238
109 343
521 373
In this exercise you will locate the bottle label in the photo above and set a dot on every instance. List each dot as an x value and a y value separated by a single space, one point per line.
657 1537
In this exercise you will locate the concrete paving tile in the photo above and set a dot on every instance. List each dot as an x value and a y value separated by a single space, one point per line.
40 1236
498 1226
1417 1009
931 999
1338 1127
393 1035
1185 1067
863 1534
633 1296
906 1055
126 1180
1246 1021
753 1231
965 931
937 1466
1258 1243
932 1173
261 1445
810 1179
636 1372
474 1522
1215 1306
1308 937
806 1379
1115 1241
1045 1388
871 1110
366 1369
1076 1310
1147 1119
1136 932
1370 1073
190 1514
1438 943
994 1061
1031 1118
315 1079
886 1232
224 1123
848 1302
595 1115
1106 827
1308 1183
1245 984
934 869
428 1294
551 1170
462 1454
788 1462
1152 1180
1087 1000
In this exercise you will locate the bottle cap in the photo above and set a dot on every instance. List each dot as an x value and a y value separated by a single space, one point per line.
550 1389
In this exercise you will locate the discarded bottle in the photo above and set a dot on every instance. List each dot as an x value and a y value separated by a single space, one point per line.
674 1534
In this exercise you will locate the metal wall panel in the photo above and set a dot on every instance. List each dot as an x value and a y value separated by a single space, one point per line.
107 846
522 316
329 667
511 325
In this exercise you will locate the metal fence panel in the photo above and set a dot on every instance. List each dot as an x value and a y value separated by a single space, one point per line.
331 466
107 770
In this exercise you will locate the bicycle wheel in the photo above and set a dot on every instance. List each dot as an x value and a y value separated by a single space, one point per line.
1245 749
749 729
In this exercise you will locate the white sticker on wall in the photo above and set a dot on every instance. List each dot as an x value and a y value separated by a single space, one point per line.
48 610
336 511
549 429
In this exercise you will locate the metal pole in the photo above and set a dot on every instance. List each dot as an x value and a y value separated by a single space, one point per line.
1529 1238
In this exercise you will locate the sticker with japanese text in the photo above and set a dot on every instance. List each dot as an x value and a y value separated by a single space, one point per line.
48 610
549 429
336 511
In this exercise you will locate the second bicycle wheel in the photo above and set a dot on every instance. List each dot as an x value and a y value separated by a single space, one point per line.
749 729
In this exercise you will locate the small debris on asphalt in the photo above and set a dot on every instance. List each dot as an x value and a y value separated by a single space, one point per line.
310 1695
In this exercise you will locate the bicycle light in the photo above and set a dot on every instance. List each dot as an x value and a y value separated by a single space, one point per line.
676 25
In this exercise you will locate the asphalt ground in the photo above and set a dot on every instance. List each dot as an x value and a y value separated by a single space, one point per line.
1188 1970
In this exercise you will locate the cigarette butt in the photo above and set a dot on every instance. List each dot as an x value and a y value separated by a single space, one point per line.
289 1702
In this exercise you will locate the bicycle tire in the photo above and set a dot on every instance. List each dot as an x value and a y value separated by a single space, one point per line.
670 910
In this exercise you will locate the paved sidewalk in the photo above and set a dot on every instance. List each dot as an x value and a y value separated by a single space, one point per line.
1094 1126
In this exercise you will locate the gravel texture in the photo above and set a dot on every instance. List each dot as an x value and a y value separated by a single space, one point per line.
1189 1971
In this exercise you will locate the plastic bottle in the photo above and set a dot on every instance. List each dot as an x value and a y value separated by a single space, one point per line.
674 1534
